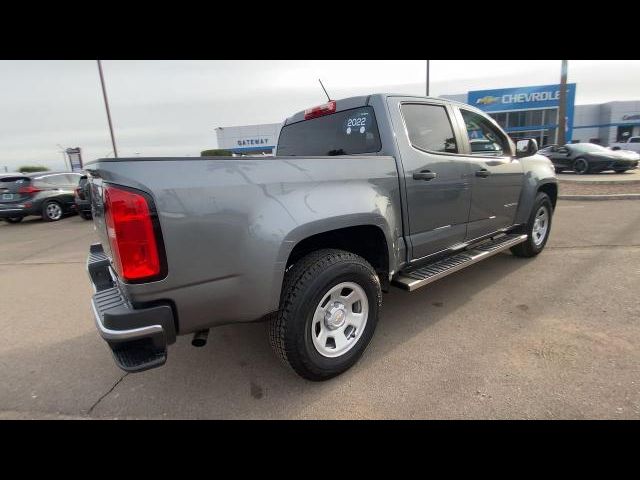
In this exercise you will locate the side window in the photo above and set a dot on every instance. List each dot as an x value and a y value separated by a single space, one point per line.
72 179
56 180
429 127
634 140
484 138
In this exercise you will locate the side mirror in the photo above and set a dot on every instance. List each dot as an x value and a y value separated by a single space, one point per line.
526 147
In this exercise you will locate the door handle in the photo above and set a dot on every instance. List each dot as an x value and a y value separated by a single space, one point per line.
424 175
483 172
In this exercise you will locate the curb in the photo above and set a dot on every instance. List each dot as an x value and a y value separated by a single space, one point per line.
600 182
617 196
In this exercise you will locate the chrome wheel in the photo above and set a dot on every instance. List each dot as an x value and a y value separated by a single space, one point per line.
540 225
339 319
53 211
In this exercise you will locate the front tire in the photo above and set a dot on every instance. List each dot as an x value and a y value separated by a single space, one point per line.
86 215
328 313
14 219
621 171
538 228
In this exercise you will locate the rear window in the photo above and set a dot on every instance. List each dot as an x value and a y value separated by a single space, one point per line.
343 133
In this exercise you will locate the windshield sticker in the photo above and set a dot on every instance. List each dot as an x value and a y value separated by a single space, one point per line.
357 123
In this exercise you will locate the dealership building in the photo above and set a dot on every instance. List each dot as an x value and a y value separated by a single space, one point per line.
524 112
532 112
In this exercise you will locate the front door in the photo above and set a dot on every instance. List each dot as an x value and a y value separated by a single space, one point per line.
437 190
496 175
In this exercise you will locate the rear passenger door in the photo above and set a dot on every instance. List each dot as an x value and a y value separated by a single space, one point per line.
496 175
437 191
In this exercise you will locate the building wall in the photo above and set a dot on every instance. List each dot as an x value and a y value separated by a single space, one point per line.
587 115
249 139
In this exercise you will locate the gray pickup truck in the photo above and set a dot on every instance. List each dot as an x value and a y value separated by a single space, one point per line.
363 194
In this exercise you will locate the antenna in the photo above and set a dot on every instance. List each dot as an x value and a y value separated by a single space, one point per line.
325 90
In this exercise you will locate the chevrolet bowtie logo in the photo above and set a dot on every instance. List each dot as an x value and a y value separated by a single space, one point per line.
488 100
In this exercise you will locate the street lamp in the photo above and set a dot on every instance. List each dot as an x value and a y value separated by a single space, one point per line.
64 154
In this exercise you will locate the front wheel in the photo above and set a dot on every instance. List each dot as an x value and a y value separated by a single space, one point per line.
14 219
537 228
621 171
328 313
86 215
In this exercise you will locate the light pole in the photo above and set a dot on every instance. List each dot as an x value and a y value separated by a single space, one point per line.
106 106
427 78
64 155
562 108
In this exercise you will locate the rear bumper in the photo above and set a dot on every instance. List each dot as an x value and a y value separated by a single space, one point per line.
138 337
13 211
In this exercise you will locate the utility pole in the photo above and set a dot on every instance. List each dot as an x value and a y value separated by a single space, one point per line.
427 78
106 106
562 108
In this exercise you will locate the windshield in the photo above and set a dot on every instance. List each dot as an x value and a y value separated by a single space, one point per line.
589 147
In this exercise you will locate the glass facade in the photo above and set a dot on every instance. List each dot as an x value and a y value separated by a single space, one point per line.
540 124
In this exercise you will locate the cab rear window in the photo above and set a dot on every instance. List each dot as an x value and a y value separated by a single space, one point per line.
348 132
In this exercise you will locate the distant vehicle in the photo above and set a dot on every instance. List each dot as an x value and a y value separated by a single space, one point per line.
82 198
46 194
589 158
632 143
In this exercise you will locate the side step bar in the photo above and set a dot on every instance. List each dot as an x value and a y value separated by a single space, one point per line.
419 277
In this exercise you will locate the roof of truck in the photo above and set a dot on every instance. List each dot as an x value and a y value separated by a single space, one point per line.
362 100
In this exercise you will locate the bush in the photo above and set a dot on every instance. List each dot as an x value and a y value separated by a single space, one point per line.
217 152
32 168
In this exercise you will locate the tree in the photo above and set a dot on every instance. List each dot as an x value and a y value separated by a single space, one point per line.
216 152
32 168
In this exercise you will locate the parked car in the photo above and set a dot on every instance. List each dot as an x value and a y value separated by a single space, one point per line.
632 143
585 158
45 194
82 198
364 193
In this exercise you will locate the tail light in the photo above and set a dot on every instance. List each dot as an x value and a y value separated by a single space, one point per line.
134 239
326 109
29 189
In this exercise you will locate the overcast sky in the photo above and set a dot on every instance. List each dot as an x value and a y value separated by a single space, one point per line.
170 108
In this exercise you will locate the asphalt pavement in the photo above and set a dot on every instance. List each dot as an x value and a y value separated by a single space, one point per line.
551 337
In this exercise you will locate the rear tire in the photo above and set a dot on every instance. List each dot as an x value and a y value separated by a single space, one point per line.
14 219
306 330
580 166
51 211
535 243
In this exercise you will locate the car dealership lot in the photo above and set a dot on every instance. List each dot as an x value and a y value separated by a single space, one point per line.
550 337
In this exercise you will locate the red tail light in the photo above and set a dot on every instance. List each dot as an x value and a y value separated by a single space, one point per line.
320 110
29 189
131 234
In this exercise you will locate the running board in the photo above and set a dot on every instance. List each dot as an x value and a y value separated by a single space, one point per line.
419 277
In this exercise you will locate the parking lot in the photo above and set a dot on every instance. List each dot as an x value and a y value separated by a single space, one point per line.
551 337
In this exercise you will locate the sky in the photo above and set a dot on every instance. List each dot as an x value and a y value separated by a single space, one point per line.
171 108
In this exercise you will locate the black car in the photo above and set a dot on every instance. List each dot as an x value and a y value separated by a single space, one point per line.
46 194
82 198
589 158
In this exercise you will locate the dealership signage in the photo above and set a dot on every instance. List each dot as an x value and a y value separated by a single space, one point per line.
75 159
524 98
249 142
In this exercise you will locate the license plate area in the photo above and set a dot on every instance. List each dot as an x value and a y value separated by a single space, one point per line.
7 196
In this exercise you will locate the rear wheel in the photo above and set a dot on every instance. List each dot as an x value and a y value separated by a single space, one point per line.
328 313
580 166
537 228
51 211
14 220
